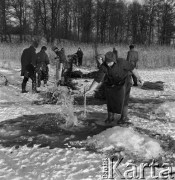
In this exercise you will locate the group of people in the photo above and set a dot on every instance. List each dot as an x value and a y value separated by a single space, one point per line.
115 75
36 66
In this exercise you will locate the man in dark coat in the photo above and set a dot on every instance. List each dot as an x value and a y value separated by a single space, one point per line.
100 91
28 66
133 57
115 52
42 66
80 56
116 78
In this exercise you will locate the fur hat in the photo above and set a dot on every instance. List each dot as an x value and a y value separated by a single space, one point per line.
110 57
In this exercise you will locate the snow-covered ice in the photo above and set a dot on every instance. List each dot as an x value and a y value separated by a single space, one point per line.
133 142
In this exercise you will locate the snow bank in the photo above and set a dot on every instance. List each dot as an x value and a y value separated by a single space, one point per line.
168 108
130 140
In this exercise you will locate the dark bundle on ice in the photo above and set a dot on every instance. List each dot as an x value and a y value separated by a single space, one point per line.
158 85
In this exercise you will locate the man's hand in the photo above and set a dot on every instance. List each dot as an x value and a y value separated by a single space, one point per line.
139 80
87 92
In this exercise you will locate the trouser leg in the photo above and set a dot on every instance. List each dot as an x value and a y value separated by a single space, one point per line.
24 84
33 78
134 80
45 76
80 61
39 78
125 112
77 61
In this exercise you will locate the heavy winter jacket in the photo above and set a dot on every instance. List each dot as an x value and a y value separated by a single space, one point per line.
133 57
28 58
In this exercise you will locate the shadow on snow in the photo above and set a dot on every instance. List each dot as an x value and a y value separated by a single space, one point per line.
43 130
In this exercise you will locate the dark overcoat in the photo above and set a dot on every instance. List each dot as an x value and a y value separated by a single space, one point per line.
28 58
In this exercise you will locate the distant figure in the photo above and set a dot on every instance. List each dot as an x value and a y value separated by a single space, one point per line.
80 56
116 53
42 66
28 66
61 66
133 57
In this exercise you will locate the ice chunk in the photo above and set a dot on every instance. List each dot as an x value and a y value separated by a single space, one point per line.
138 144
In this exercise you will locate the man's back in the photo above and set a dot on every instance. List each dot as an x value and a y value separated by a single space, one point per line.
132 57
42 57
27 57
80 53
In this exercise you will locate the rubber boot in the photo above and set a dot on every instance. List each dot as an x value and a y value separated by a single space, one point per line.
24 88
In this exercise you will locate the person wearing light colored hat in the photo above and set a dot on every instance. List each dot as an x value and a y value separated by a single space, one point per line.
115 73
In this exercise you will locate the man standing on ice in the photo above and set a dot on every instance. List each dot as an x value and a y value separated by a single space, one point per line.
61 66
42 66
28 66
116 75
133 57
80 56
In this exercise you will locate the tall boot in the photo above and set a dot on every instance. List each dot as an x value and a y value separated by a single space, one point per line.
24 88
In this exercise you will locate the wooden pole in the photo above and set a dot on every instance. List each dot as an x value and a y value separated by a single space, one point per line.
85 103
57 70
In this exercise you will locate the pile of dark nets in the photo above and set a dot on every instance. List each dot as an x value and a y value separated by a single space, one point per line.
158 85
56 95
79 74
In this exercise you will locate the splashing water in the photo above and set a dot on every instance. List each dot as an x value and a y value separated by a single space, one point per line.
67 108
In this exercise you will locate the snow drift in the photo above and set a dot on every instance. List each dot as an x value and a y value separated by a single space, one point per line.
133 142
167 108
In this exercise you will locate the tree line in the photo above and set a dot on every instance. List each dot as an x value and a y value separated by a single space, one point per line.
103 21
